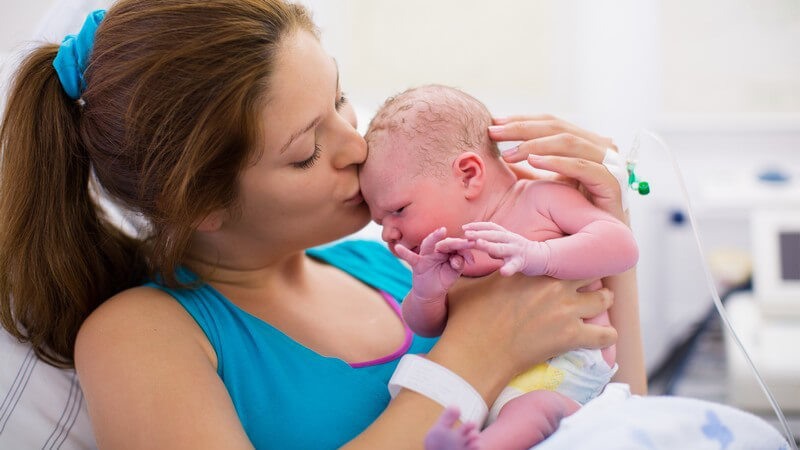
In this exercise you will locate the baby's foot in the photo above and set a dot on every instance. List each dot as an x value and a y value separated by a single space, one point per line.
443 437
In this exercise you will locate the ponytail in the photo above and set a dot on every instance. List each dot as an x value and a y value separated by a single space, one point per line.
59 258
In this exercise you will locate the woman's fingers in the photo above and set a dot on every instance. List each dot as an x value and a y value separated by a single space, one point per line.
564 144
592 304
521 117
597 180
406 255
524 128
596 336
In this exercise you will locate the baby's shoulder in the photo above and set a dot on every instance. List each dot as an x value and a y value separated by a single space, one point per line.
538 190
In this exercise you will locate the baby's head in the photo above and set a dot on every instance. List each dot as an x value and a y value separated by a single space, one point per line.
429 161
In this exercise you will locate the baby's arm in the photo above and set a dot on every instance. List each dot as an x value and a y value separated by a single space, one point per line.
434 270
596 245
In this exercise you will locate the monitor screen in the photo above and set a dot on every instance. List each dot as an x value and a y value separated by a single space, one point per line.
790 255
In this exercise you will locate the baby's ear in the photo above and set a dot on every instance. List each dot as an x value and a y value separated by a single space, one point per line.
470 173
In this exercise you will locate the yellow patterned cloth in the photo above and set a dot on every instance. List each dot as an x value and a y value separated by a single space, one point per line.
543 376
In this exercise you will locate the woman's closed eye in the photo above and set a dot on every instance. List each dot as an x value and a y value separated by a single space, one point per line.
340 101
307 163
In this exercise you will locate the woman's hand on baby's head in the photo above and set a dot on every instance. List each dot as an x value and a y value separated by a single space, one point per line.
548 135
557 146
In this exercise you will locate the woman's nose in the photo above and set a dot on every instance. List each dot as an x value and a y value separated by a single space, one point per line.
352 149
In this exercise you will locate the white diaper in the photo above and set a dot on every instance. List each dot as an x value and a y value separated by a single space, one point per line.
580 375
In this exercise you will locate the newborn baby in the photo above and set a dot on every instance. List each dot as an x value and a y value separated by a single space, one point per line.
449 206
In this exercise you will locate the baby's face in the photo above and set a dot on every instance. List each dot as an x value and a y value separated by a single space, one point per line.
409 206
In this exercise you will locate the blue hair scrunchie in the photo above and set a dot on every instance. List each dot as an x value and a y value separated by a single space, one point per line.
73 56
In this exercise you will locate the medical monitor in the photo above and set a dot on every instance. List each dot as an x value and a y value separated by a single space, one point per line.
776 260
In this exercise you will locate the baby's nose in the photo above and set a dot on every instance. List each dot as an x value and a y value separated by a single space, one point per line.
390 234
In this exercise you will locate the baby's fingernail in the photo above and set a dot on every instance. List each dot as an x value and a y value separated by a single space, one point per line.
534 158
496 128
510 152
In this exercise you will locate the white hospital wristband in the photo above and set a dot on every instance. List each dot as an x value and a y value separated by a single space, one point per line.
440 385
619 168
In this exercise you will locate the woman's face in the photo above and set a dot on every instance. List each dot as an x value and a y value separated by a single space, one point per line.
303 191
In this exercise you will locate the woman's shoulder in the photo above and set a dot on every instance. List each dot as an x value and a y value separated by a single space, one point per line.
138 317
140 349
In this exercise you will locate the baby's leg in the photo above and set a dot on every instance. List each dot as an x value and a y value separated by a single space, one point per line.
522 423
527 420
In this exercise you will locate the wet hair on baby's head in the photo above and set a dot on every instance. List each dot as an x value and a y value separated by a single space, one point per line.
437 122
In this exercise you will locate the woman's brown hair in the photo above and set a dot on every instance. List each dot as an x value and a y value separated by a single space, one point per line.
168 120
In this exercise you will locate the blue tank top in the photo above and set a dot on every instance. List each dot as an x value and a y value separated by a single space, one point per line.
286 395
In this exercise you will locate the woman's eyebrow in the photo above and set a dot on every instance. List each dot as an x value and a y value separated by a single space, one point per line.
297 134
315 122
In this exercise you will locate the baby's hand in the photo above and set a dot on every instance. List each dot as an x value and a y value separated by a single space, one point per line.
438 265
518 253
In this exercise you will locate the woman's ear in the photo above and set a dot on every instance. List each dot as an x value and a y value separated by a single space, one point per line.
470 172
213 221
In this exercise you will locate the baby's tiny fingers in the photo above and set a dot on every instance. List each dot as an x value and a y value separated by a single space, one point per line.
498 251
457 263
482 226
406 255
467 255
489 235
428 244
510 268
449 417
467 428
450 245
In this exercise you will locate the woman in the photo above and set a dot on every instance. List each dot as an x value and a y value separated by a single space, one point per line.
222 122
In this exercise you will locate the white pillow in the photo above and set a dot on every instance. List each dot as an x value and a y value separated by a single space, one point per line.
42 406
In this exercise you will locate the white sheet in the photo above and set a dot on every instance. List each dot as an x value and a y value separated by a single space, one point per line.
619 421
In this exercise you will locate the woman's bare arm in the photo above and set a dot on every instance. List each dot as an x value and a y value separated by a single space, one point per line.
148 379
